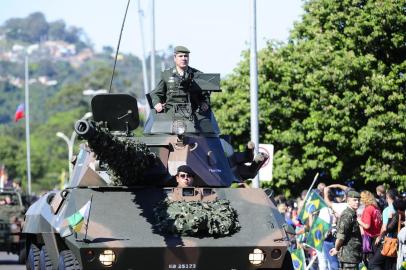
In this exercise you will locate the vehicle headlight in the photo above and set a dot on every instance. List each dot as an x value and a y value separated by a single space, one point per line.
178 127
257 257
107 257
276 253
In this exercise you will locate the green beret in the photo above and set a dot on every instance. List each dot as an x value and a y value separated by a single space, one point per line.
181 49
353 194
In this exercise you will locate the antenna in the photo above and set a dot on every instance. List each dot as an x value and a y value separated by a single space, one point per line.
118 46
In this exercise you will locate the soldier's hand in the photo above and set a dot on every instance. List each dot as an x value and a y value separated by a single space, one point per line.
203 106
159 107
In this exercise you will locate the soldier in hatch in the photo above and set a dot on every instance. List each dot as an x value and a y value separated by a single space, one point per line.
176 85
185 176
348 245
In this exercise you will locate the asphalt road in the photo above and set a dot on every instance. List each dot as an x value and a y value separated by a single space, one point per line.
10 262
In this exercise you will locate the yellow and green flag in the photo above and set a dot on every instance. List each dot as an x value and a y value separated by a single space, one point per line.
312 204
298 259
77 219
319 229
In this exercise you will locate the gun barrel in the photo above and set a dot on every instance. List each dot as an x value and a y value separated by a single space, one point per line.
125 157
84 129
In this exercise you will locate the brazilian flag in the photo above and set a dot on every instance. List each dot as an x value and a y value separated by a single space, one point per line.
298 259
312 204
319 229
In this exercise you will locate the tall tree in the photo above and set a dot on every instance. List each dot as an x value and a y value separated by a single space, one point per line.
333 98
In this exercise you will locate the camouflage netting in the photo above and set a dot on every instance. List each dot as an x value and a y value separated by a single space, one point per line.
215 218
126 158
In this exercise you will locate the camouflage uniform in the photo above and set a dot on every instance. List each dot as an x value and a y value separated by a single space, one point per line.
350 254
174 88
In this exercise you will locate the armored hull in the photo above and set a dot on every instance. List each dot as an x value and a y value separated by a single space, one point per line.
122 209
127 228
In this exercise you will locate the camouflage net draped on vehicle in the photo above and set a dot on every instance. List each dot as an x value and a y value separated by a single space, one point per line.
196 218
127 159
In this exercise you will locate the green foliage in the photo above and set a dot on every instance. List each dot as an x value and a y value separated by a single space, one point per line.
333 98
9 148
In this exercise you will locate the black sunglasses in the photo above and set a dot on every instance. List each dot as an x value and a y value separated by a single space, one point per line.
184 175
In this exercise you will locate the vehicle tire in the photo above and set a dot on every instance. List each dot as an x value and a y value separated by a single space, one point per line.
33 258
45 262
22 255
67 261
287 262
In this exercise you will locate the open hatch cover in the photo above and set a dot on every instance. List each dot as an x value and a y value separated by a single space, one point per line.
207 81
118 111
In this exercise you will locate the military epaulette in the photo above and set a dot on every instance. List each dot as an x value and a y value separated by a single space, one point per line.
190 69
170 69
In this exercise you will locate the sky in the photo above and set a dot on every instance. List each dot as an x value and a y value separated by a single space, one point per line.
215 31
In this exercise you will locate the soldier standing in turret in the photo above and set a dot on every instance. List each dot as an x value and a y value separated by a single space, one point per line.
176 85
348 244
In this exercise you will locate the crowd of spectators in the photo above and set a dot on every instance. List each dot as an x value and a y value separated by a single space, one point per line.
377 215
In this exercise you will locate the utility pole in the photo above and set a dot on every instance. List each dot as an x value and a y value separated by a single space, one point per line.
254 84
27 124
152 45
144 65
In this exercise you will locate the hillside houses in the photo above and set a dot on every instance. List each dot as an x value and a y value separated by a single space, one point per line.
52 49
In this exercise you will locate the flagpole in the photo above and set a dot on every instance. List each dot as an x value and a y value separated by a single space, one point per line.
153 44
88 217
311 186
311 261
27 125
143 61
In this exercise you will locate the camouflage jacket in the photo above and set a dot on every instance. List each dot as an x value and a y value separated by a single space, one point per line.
173 88
348 230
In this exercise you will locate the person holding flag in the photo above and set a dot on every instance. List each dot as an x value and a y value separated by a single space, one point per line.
319 224
322 238
312 203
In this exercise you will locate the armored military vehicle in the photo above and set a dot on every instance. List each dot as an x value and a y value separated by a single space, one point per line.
11 218
123 192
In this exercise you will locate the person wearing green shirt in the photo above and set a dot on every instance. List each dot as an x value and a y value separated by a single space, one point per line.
348 245
176 86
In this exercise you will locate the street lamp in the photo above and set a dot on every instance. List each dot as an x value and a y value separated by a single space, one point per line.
71 142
